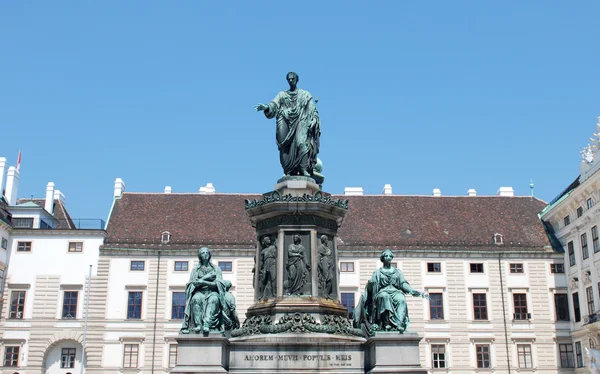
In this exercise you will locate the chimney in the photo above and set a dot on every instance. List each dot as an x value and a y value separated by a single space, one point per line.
119 188
506 191
353 191
168 189
437 192
387 189
471 192
60 196
2 171
12 185
49 203
209 189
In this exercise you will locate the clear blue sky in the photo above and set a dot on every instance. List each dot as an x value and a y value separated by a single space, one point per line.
450 94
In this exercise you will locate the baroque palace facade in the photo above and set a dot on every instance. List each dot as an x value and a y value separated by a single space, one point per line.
500 300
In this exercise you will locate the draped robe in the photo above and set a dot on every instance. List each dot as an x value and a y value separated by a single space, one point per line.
298 130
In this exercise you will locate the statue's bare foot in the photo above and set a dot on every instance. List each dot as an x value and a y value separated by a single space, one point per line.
197 329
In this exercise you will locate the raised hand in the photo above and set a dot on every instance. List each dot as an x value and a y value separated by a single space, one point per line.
260 107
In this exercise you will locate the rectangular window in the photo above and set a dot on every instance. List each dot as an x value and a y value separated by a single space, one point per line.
67 360
561 307
23 246
70 305
4 243
11 356
130 355
557 268
524 353
347 267
579 212
483 355
520 304
134 305
477 268
516 268
595 241
589 293
480 306
578 354
348 302
571 250
584 246
567 359
434 267
181 265
1 282
567 220
590 203
17 305
172 355
226 266
576 307
438 356
137 266
75 246
22 223
178 308
436 306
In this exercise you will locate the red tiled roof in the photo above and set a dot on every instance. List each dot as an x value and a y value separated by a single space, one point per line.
372 222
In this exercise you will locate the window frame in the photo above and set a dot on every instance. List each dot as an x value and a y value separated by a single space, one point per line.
576 306
438 362
584 246
436 312
71 355
589 295
590 203
26 246
180 311
17 305
134 308
566 355
22 222
516 268
579 211
181 263
578 355
484 350
4 243
474 268
137 267
567 220
224 268
595 240
561 308
524 355
347 267
12 357
132 353
554 268
434 267
571 250
75 244
347 305
481 307
71 306
520 309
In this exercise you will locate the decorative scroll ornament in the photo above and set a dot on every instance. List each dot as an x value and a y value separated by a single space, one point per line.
275 197
330 324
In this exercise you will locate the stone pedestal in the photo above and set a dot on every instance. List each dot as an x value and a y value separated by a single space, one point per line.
389 353
199 354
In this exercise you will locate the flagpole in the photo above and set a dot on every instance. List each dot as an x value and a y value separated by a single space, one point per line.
85 324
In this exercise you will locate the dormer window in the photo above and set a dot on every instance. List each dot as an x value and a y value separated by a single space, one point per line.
498 239
165 237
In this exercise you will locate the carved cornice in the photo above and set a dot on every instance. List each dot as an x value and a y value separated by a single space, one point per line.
276 197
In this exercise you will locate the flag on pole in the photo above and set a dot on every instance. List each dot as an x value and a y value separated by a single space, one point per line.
19 162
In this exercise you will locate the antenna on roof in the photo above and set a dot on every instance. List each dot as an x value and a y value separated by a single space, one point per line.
531 185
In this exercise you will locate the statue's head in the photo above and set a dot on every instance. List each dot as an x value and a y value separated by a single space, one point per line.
227 284
297 239
324 239
292 79
386 256
204 254
266 241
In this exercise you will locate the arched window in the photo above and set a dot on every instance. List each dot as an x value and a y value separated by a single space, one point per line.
498 239
592 343
165 237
